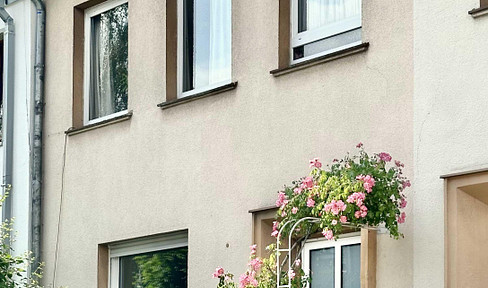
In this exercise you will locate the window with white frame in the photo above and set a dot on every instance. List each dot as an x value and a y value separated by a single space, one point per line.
152 262
333 264
320 27
204 45
106 61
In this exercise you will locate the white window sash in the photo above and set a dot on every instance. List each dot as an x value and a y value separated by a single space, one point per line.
141 246
306 37
179 59
315 244
89 13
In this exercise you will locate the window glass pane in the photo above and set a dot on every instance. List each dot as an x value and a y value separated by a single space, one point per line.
317 13
209 52
108 63
162 269
322 263
351 265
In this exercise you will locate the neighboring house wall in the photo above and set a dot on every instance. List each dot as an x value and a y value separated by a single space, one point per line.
23 13
450 118
203 165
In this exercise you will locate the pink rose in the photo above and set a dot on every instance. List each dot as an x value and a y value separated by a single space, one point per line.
253 249
385 157
308 181
256 263
281 199
315 163
275 233
328 234
219 271
310 203
334 222
291 274
297 263
406 184
368 182
294 210
403 203
401 218
343 219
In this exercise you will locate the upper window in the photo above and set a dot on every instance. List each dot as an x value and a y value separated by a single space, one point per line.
204 45
320 27
333 264
106 61
152 262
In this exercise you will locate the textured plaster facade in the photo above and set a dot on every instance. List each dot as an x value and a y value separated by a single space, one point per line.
450 118
202 165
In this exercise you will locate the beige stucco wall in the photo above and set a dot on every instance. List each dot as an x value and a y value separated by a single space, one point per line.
204 164
450 118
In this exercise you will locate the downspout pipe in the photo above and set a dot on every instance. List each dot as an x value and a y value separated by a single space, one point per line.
37 132
8 108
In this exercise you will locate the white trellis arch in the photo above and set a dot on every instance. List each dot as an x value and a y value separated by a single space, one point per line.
291 247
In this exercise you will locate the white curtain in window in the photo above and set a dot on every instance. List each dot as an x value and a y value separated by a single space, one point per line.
212 42
325 12
102 98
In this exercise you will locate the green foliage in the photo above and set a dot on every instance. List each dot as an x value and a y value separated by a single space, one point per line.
14 269
337 185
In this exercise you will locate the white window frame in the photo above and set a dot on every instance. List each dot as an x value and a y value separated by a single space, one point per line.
309 36
89 13
315 244
140 246
179 59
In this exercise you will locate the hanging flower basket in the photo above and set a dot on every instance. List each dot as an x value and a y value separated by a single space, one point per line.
356 191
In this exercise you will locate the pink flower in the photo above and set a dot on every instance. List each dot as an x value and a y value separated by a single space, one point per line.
368 182
281 199
360 144
283 213
256 264
248 279
310 203
291 274
275 225
356 197
219 271
334 222
399 164
401 218
406 184
275 233
403 203
343 219
315 163
335 207
357 214
253 249
364 211
294 210
328 234
308 181
297 263
298 190
385 157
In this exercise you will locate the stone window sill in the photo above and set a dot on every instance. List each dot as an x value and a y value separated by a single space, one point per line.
73 131
322 59
215 91
478 12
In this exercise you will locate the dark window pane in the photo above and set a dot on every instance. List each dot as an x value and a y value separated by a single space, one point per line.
351 266
302 15
188 46
109 61
162 269
322 267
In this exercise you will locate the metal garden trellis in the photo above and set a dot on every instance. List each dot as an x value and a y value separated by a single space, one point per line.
291 247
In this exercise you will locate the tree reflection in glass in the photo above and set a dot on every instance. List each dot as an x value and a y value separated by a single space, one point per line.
161 269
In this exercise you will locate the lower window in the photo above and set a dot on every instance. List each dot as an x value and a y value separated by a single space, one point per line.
333 264
152 262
